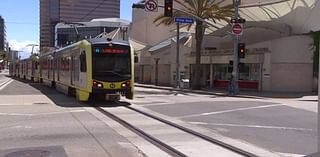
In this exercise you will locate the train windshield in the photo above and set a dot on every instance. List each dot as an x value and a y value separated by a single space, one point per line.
111 62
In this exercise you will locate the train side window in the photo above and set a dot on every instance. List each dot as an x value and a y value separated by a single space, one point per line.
83 62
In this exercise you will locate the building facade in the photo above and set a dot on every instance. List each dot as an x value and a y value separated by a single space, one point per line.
55 11
279 50
3 40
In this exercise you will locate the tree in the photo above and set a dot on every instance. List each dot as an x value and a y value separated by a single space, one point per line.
212 10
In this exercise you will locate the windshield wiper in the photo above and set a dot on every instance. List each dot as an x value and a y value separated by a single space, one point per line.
115 73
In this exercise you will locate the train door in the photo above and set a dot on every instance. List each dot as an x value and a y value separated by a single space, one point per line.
48 68
72 69
58 67
83 69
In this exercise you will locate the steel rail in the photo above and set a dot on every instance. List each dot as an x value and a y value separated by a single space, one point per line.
197 134
166 148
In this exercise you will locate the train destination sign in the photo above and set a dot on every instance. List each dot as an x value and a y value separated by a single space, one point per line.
110 50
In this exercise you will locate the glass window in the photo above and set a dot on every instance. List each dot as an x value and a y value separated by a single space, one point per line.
83 62
247 71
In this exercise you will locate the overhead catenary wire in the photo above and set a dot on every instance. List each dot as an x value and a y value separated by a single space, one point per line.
92 10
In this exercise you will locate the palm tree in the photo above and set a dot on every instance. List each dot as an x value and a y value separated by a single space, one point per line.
212 10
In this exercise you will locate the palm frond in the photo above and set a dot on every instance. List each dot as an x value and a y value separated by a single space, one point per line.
185 6
204 9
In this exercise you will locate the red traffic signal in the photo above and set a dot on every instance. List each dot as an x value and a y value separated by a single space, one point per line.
241 50
168 8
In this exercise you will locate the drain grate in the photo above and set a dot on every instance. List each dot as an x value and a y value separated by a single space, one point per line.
29 153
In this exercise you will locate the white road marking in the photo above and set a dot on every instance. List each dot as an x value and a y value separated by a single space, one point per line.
19 126
39 114
3 85
290 155
253 126
6 104
24 104
228 111
15 114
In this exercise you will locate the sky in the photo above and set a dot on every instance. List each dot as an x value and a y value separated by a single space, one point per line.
22 22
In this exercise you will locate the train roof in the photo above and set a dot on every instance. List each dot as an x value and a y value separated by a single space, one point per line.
95 41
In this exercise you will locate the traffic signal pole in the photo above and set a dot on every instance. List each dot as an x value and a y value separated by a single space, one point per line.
319 107
178 62
234 86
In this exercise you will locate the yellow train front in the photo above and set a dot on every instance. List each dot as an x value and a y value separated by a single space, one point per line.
91 68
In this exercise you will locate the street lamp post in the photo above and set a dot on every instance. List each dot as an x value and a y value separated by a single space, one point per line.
33 45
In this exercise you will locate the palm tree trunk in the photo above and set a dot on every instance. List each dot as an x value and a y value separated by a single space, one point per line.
199 38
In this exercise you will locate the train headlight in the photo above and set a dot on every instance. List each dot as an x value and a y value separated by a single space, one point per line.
97 84
125 84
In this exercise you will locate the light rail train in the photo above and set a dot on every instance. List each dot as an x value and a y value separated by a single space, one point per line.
89 68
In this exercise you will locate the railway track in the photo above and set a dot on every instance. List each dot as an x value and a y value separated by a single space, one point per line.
125 115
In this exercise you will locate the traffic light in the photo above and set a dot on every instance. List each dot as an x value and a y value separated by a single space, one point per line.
241 50
238 20
168 8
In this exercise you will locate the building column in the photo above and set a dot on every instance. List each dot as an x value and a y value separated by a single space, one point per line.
211 75
142 73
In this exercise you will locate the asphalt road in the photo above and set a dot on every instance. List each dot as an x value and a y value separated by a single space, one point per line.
268 123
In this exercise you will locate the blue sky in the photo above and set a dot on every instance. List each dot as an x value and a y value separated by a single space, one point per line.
22 20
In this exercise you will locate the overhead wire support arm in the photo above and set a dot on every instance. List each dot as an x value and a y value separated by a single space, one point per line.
142 6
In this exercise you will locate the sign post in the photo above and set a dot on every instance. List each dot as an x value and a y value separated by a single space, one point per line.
179 21
236 31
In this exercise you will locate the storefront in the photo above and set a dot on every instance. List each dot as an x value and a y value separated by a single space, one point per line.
249 74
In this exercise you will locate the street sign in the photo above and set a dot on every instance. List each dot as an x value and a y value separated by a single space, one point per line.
183 20
151 5
237 29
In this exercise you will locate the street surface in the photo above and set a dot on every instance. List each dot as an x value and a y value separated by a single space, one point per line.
36 117
286 126
38 121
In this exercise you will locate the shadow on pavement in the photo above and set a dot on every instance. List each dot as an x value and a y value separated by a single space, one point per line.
64 100
243 92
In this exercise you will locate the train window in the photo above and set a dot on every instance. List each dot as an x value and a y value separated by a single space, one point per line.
83 63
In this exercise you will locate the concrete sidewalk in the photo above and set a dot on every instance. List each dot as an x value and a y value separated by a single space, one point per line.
242 93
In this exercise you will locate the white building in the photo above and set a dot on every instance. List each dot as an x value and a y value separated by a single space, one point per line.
278 41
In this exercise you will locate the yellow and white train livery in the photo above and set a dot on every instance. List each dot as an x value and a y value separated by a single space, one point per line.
90 68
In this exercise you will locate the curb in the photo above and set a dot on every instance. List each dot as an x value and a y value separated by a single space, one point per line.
198 92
